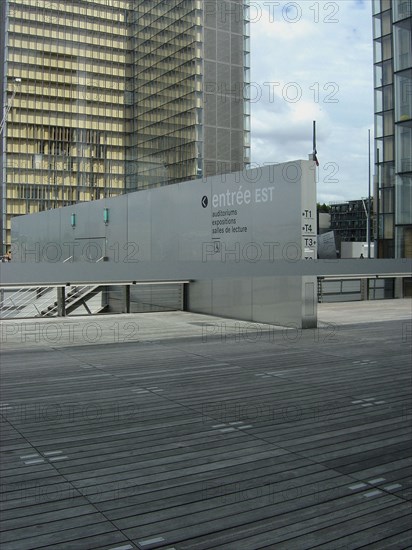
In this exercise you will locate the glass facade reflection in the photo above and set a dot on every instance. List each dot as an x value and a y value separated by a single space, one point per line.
108 96
393 126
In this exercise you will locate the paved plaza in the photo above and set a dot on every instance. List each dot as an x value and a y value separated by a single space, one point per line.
189 432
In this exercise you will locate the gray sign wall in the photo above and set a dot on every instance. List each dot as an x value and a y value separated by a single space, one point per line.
256 216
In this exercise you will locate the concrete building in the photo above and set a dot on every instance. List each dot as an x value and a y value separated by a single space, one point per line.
101 97
392 24
349 220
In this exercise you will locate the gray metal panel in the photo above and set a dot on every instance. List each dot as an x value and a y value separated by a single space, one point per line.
46 273
91 238
309 302
223 77
116 231
237 18
191 220
236 49
223 135
200 296
226 229
223 9
37 238
209 43
139 225
210 13
277 300
164 230
223 120
223 46
210 76
210 140
232 297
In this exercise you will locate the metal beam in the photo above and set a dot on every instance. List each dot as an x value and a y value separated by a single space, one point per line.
82 273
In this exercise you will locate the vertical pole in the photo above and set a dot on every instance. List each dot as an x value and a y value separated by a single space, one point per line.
368 219
185 296
377 204
126 299
314 137
61 301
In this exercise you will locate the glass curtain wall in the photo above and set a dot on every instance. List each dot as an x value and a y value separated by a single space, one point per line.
102 97
393 126
65 131
188 113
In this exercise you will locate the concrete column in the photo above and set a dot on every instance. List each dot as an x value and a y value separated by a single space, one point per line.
126 299
185 297
398 288
61 301
364 289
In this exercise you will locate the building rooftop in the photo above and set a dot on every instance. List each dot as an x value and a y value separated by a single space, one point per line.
184 431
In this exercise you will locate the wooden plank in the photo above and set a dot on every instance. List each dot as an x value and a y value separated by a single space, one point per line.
226 443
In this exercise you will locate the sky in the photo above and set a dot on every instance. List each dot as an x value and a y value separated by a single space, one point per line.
313 60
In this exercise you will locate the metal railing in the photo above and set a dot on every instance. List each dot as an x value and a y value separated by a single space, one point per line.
41 301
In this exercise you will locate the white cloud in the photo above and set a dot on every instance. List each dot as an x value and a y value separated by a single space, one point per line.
317 68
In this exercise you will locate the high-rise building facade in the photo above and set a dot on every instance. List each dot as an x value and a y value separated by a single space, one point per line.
392 33
188 71
349 220
102 97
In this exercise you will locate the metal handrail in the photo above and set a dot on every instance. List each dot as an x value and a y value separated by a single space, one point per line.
17 299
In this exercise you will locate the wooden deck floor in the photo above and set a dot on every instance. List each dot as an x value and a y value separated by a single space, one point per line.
232 439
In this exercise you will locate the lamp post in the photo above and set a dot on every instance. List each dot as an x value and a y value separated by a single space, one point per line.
368 219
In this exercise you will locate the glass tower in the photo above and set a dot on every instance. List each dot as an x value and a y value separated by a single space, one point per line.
392 32
102 97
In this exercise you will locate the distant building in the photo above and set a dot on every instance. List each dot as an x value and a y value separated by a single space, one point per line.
349 220
103 97
392 34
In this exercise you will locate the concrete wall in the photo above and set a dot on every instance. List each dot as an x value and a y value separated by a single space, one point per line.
260 215
355 249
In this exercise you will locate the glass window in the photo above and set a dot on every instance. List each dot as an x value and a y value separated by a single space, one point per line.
377 51
387 174
401 9
387 47
388 128
388 97
378 125
378 76
403 193
403 94
403 48
386 226
403 244
377 26
376 6
388 149
386 200
404 149
378 100
387 72
386 23
386 5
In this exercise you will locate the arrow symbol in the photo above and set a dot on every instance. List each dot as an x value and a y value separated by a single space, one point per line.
205 201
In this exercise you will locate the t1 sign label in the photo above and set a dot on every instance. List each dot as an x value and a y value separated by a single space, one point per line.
309 234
